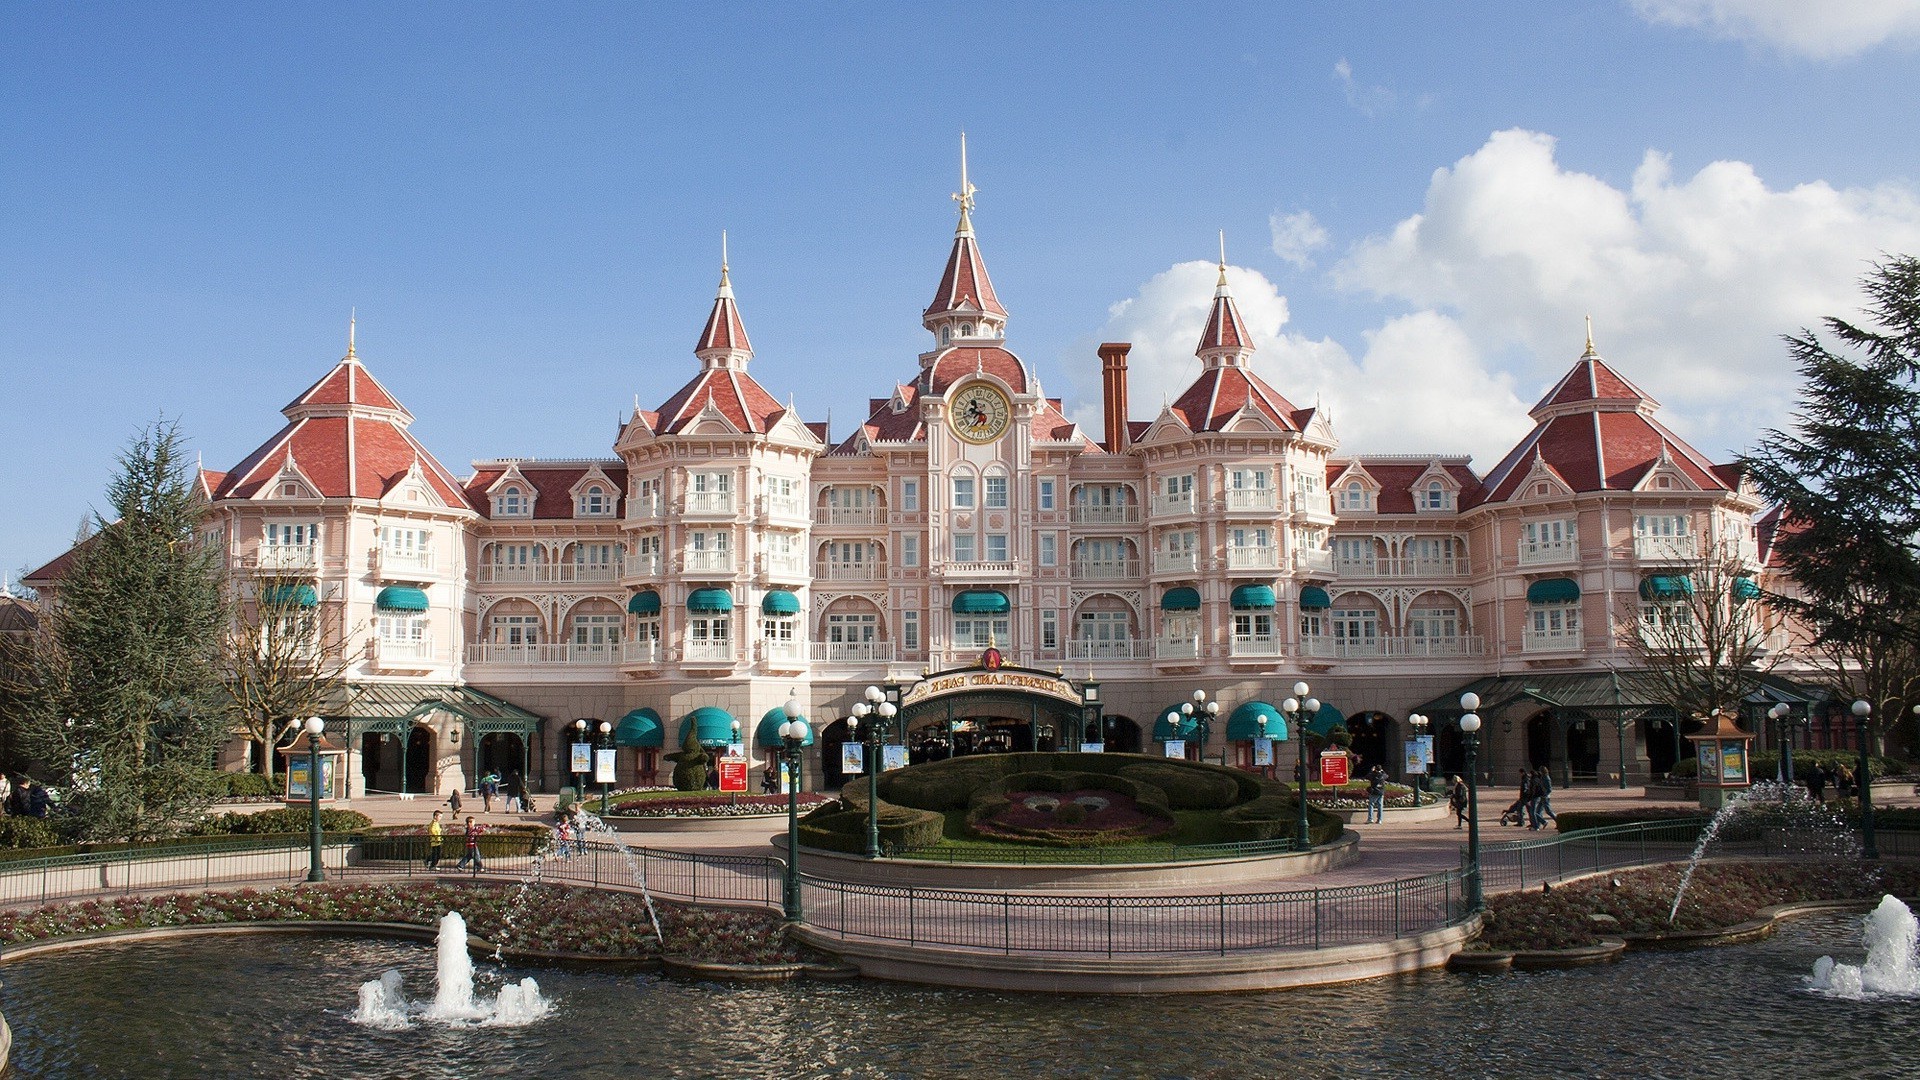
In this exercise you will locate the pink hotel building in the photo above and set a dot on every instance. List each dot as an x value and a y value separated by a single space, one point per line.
729 556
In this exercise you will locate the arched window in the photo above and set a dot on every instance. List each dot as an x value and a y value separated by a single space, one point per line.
966 329
594 502
1436 496
512 502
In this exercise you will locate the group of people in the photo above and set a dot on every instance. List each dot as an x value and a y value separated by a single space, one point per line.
22 796
1532 809
490 787
1839 779
470 841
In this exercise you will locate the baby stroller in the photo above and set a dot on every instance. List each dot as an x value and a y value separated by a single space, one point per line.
1515 814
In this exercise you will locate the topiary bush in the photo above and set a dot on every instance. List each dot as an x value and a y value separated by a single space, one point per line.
409 842
690 762
1574 820
1187 788
842 826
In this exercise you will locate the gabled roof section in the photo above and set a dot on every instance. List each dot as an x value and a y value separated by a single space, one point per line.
965 286
1591 382
957 362
348 384
888 422
553 483
1220 393
1225 339
731 393
1396 478
724 341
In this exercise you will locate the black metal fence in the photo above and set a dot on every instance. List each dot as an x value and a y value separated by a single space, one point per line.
1129 853
1215 924
1523 863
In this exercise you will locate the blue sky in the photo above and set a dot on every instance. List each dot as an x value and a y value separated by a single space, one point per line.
524 203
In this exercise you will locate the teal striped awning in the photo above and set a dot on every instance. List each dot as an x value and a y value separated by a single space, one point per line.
646 602
1666 587
767 735
1553 591
780 602
1744 588
710 600
981 602
1172 724
714 727
1253 598
1244 724
1183 598
1314 598
291 596
641 727
401 598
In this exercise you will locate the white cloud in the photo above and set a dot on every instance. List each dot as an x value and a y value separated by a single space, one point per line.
1690 281
1420 387
1369 100
1819 29
1297 236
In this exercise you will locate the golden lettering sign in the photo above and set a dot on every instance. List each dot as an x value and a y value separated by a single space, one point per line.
961 682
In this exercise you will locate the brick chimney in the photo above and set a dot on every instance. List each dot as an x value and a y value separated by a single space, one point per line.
1113 380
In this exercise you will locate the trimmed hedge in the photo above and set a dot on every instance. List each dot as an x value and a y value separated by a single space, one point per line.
1188 788
244 785
409 842
26 832
842 826
289 819
1574 820
1765 764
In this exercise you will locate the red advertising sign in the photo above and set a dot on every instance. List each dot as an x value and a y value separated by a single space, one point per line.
733 774
1334 769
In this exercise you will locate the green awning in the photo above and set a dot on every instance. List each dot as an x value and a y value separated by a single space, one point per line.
1558 590
1253 598
767 735
981 602
1666 587
1184 598
1315 598
285 596
1744 588
1172 724
780 602
645 602
710 600
401 598
641 727
1244 724
714 726
1327 719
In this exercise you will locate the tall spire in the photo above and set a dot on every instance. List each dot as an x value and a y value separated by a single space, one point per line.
724 341
1591 351
351 313
1225 342
965 195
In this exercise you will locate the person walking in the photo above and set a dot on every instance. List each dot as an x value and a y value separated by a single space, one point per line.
1516 811
1457 799
39 799
6 794
453 801
1817 783
436 840
563 836
470 854
1376 796
1542 806
488 784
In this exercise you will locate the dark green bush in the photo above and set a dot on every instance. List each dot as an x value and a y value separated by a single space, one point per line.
245 785
409 842
834 827
1575 820
26 832
1187 788
1277 814
1765 764
290 819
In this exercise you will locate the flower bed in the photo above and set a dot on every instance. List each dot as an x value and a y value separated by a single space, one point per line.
733 804
549 918
1721 894
1072 818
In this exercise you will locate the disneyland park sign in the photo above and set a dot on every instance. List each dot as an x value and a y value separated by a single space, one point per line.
960 682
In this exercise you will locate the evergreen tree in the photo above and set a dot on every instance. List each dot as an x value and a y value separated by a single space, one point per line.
1847 480
125 708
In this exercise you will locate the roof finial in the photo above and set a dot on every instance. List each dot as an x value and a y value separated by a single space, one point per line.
726 283
965 195
1223 259
1590 349
351 313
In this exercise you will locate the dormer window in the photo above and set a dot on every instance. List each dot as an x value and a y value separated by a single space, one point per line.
1355 496
511 502
1436 496
594 502
966 329
289 491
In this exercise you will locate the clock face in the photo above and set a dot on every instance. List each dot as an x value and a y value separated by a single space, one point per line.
981 413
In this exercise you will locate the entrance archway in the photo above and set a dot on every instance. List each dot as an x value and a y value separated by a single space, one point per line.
502 752
1122 734
419 759
1663 752
991 711
370 759
1540 739
1372 734
1583 749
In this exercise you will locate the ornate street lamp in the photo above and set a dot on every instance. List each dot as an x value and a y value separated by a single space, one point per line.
1419 723
1202 712
793 736
579 778
314 725
1783 771
1470 732
1300 710
875 704
606 736
1863 714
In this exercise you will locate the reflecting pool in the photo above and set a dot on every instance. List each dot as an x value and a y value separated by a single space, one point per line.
283 1006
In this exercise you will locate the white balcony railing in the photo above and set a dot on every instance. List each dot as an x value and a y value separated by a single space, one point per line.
709 562
710 502
852 652
1304 502
1256 645
1252 557
1104 515
390 563
1430 568
1252 499
1094 649
645 509
1313 562
849 515
643 651
783 652
1362 568
786 565
786 506
983 569
1181 562
707 652
1401 645
287 557
1666 548
833 571
388 652
540 655
1165 505
650 564
1551 641
547 573
1549 552
1106 569
1176 649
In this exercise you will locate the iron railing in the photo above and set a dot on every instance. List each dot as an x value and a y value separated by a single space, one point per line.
1128 925
1524 863
1130 853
